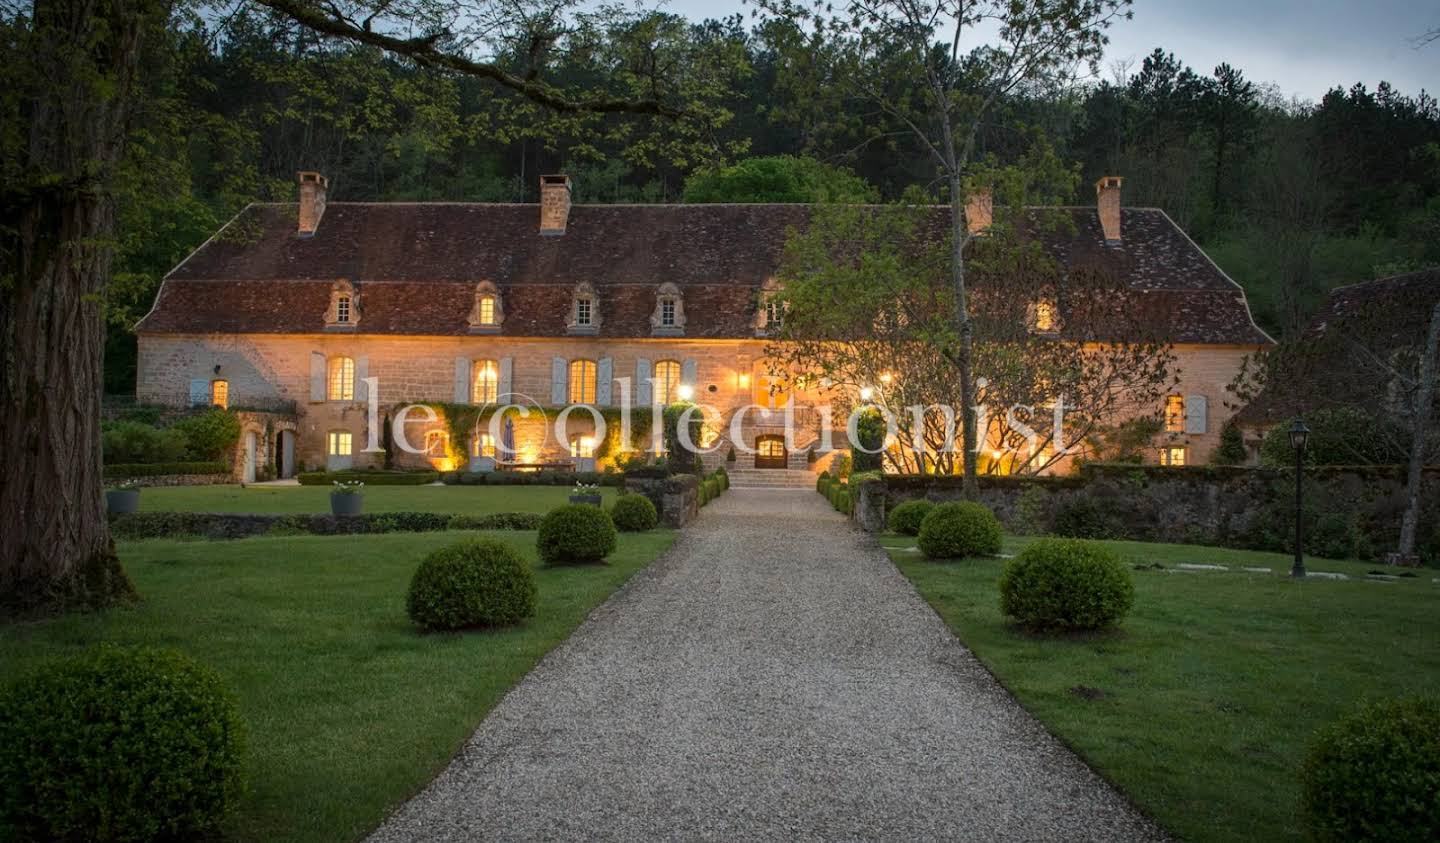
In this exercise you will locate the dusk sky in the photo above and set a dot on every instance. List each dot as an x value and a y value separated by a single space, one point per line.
1304 46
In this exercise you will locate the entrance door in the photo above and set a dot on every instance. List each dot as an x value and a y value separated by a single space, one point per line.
770 452
284 454
251 443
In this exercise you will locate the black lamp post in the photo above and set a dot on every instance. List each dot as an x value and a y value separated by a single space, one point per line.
1299 435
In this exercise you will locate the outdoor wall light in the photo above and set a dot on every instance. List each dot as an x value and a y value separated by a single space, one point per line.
685 391
744 380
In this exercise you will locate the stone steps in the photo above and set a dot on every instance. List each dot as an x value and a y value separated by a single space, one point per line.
771 477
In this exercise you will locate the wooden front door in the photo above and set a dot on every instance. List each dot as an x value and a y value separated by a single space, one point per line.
770 452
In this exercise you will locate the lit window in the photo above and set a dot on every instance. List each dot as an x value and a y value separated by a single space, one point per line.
483 445
339 443
342 309
582 381
1174 414
487 310
667 313
582 447
583 308
486 389
435 442
341 382
774 313
1044 317
667 382
1172 456
220 393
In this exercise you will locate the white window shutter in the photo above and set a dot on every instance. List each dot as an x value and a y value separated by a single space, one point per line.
1196 414
690 375
362 371
558 371
507 374
317 376
644 371
462 381
604 375
199 392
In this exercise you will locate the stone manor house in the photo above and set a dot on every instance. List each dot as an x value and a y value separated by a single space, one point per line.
290 307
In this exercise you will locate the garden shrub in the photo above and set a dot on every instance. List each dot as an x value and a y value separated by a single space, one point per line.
822 481
211 434
870 433
1232 446
1084 517
133 442
634 513
496 521
408 522
1066 584
120 471
906 517
1338 436
959 529
724 478
529 478
1375 774
478 582
119 744
575 533
682 459
372 477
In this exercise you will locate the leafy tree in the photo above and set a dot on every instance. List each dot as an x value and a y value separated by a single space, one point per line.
779 178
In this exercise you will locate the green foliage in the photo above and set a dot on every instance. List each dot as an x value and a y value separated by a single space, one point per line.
375 477
634 513
474 583
959 529
1375 774
495 521
1066 584
682 460
777 178
210 434
137 442
576 533
119 745
870 433
822 481
155 525
907 517
119 471
1131 441
1232 447
1085 517
1340 436
531 478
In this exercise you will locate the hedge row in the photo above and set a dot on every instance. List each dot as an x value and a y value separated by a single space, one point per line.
711 487
153 525
120 471
530 478
369 478
837 492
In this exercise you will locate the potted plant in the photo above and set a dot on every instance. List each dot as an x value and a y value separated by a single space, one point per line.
123 496
585 493
347 497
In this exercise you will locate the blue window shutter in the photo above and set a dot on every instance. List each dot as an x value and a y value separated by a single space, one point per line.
507 374
462 380
362 371
604 374
558 372
690 374
644 371
199 392
317 376
1195 414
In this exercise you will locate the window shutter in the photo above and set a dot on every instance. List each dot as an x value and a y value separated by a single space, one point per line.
644 371
1195 414
317 376
604 375
690 375
199 393
557 381
507 372
462 381
362 371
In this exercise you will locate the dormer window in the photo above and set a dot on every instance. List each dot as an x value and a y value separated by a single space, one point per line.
774 313
668 320
344 310
584 310
770 315
487 312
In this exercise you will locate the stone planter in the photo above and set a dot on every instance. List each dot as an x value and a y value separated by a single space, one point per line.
122 501
593 500
342 504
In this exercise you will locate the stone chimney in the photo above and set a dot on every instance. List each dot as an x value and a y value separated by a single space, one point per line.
554 204
1107 193
979 210
312 201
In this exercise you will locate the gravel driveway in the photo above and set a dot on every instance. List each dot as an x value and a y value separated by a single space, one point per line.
773 676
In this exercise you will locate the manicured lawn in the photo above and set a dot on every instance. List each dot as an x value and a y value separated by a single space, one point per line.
350 710
1217 680
308 500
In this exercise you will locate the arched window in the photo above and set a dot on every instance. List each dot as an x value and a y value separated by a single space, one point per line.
340 380
487 312
486 387
582 381
667 381
584 310
669 316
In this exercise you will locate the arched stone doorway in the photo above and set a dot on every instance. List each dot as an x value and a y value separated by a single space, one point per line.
770 451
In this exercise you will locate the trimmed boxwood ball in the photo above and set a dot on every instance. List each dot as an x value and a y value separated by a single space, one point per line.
575 533
478 582
1375 775
955 530
906 517
119 744
634 513
1066 584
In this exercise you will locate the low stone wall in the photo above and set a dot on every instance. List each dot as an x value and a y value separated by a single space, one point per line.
185 480
1359 507
676 497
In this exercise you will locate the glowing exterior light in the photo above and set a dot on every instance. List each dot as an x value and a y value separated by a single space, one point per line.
685 392
866 393
886 378
744 380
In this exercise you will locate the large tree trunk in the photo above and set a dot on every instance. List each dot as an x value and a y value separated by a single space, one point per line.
55 548
1424 400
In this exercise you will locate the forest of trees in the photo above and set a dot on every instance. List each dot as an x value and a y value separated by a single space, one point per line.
1291 198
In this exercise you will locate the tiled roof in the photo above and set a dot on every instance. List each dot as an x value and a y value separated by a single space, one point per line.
416 266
